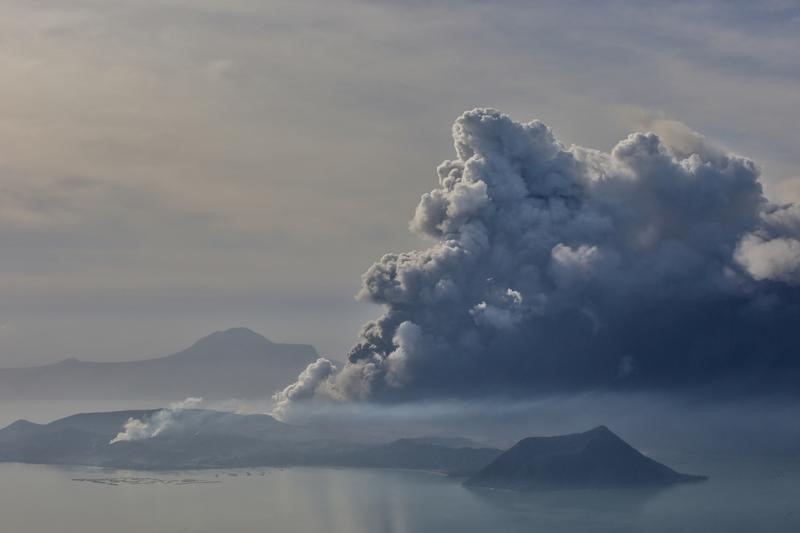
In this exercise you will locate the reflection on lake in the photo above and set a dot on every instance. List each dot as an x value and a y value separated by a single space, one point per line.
740 497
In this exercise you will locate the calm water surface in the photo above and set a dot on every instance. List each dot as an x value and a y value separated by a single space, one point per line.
742 496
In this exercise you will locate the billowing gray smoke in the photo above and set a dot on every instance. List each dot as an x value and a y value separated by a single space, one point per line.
320 371
554 267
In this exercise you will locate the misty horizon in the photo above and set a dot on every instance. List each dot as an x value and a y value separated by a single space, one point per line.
408 267
136 225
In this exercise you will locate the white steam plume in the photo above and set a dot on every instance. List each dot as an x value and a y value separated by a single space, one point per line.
316 376
157 423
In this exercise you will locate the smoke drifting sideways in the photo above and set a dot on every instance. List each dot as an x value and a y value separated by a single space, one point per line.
158 423
556 268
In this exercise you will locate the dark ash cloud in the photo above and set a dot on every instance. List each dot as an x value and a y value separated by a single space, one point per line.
553 267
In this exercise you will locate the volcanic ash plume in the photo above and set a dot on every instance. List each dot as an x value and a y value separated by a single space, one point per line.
560 267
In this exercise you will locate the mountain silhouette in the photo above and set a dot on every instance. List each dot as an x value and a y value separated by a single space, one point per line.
235 363
597 458
200 438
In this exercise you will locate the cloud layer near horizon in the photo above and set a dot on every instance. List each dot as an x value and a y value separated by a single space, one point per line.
172 167
558 267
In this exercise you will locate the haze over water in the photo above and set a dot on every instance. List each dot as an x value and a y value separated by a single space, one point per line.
572 230
741 496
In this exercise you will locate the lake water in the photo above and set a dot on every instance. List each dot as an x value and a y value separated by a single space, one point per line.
742 496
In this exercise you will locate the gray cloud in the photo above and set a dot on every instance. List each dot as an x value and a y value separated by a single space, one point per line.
231 144
555 266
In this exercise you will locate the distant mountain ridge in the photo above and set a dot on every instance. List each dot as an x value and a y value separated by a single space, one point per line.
597 458
235 363
199 438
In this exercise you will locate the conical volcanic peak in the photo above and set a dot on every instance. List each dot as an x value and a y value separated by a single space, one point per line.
597 458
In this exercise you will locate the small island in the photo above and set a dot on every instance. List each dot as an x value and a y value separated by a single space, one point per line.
594 459
200 438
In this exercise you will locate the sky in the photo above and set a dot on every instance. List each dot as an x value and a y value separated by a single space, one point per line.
174 167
